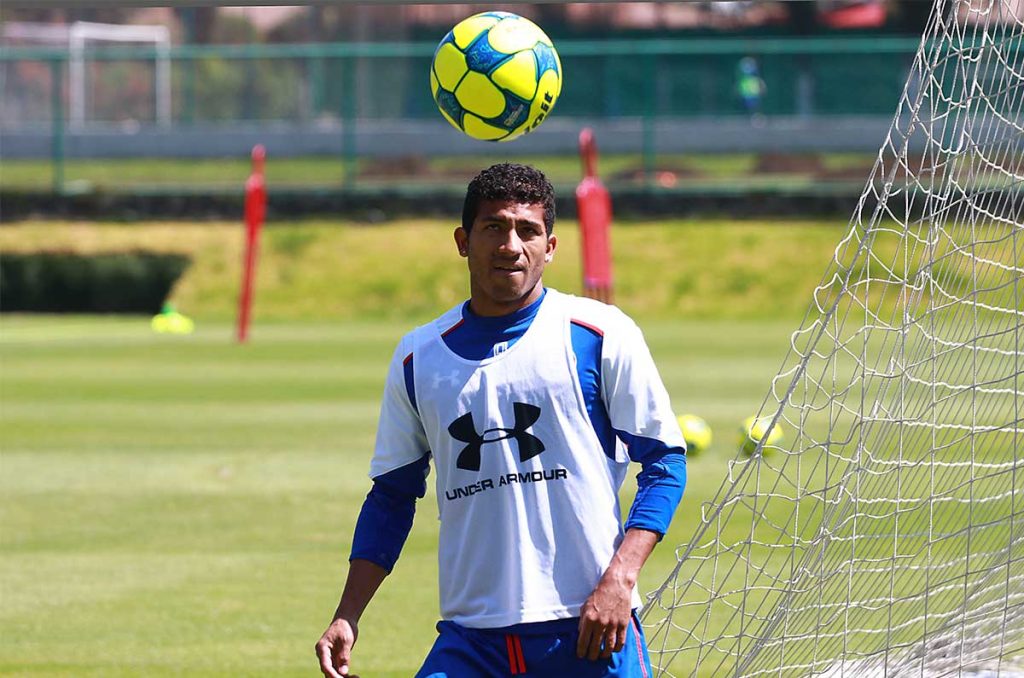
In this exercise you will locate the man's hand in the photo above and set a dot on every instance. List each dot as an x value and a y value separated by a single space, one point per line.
604 618
334 649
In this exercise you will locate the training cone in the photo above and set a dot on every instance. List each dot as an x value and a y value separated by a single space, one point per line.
169 321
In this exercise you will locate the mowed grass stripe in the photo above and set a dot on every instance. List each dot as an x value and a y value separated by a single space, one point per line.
261 414
141 470
204 522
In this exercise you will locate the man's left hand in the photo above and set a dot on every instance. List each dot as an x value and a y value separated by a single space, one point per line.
604 618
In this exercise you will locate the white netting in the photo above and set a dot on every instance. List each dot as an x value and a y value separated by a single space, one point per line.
885 534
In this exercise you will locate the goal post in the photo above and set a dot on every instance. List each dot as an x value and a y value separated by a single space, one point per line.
883 535
82 32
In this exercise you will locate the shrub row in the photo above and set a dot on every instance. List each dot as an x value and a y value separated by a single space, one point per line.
62 282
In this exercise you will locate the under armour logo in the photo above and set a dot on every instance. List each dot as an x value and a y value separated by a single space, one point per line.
464 430
452 379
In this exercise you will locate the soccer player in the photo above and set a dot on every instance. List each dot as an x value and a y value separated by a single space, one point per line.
531 403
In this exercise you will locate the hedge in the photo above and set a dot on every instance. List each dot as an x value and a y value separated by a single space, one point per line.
63 282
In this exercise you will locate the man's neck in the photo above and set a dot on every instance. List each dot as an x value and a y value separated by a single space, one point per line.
490 309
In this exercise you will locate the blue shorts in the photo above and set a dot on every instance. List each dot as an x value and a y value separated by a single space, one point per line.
535 650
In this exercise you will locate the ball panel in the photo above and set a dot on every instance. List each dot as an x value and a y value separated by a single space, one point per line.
515 113
512 117
547 93
478 129
449 106
450 121
513 35
478 95
469 29
549 86
449 66
483 58
518 75
547 60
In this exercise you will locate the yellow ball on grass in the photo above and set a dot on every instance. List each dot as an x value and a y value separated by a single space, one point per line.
753 430
696 433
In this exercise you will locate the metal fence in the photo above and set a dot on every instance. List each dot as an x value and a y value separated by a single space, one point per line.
817 76
659 95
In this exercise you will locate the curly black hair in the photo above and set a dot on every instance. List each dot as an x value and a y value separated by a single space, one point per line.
513 182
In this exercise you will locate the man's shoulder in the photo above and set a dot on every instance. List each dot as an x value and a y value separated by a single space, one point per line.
595 315
437 326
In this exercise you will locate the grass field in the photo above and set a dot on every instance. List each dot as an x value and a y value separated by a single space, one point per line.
316 270
229 173
184 506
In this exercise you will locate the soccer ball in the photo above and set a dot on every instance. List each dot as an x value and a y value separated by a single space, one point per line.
495 76
696 433
752 431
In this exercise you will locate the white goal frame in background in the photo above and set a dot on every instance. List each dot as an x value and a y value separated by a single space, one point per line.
84 32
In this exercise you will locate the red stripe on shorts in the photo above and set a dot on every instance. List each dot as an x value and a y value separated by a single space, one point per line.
519 654
512 667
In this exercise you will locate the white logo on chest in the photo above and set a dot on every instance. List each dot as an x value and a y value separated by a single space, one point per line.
452 379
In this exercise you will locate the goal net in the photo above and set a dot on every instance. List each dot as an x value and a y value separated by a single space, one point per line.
883 534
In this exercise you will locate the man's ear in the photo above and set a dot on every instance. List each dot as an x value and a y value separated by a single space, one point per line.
550 253
461 241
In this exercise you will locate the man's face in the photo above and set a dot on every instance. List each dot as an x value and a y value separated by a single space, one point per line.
507 248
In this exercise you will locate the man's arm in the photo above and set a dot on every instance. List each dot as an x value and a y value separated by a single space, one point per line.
381 530
660 485
605 617
399 470
640 415
334 649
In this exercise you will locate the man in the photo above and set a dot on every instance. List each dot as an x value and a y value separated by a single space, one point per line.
532 403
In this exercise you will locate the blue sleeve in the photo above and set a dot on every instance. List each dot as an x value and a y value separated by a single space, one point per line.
662 478
386 517
660 483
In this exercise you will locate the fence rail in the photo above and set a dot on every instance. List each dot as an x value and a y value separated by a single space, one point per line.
566 48
346 91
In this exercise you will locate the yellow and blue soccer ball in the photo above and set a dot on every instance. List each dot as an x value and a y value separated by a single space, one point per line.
753 430
496 76
696 433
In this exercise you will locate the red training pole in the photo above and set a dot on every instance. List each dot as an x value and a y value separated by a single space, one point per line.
255 211
594 206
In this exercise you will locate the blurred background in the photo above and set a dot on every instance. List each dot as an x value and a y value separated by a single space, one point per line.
720 102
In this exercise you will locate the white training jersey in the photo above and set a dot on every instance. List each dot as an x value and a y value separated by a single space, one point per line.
527 497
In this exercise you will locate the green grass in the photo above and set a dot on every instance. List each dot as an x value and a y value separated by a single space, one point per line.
184 505
410 269
330 170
